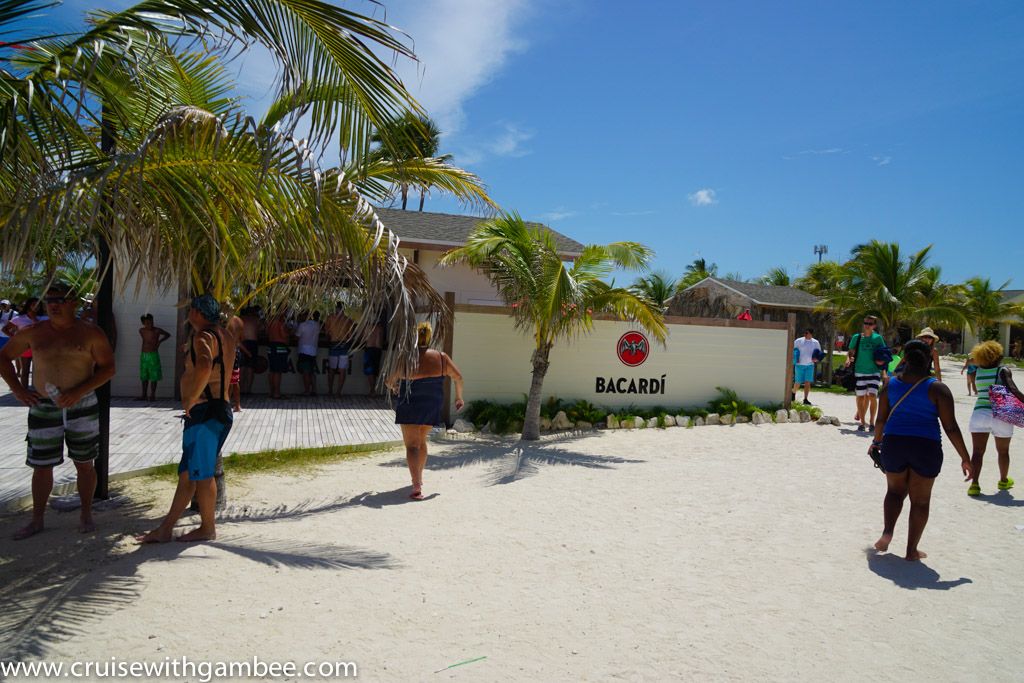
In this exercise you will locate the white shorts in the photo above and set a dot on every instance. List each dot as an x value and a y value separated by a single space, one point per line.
867 385
338 362
982 422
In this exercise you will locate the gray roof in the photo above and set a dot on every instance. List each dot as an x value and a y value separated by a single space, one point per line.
768 295
450 230
1011 294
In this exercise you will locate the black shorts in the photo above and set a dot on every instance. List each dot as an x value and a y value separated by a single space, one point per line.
306 364
922 455
277 358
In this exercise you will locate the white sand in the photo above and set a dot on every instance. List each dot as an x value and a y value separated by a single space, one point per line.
713 553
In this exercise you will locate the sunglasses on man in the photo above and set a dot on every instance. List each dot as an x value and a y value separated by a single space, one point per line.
869 323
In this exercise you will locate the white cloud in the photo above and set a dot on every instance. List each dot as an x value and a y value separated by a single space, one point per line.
829 150
558 214
882 160
704 197
502 139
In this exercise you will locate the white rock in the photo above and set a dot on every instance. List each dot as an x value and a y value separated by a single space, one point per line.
781 416
824 420
670 421
727 419
612 421
794 415
652 422
804 416
835 421
713 419
451 431
698 421
583 424
759 418
742 419
561 422
682 421
639 422
463 426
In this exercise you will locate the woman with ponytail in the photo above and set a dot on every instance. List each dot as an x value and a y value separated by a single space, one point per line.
420 401
910 410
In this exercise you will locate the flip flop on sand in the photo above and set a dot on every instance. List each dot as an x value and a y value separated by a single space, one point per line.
974 490
416 495
1006 485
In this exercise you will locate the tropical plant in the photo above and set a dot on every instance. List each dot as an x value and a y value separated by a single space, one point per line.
735 276
697 271
121 135
777 276
986 306
822 278
879 281
551 299
418 138
658 287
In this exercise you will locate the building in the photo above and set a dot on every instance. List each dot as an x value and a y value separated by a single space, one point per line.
424 238
1010 330
715 297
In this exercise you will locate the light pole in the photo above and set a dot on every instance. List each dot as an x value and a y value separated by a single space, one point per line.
820 250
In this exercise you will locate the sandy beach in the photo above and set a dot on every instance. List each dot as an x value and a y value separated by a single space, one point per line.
717 553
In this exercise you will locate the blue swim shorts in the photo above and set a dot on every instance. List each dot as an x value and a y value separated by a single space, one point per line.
803 373
206 429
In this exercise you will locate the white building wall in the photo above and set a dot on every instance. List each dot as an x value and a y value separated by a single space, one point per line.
469 285
129 306
495 361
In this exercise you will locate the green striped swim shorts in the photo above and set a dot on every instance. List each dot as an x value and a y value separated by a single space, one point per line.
49 427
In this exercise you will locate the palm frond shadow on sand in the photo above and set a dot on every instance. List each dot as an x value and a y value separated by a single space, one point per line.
52 588
511 461
310 508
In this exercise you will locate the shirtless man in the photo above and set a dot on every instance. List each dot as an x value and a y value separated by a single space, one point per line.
251 324
278 334
150 370
339 328
73 358
208 419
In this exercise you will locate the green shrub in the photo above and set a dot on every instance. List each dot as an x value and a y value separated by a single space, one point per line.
729 402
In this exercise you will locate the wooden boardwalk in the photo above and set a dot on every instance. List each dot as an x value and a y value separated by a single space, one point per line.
143 435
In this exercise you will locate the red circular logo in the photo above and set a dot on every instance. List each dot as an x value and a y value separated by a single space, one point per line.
633 349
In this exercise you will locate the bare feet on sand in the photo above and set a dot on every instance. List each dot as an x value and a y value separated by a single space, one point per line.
915 555
154 536
86 526
30 529
882 544
197 535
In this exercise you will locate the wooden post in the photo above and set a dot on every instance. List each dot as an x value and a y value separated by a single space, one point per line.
791 319
449 345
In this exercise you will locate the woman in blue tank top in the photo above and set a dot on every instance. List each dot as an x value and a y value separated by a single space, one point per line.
910 410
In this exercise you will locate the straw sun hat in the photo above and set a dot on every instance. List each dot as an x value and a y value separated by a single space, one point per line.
928 332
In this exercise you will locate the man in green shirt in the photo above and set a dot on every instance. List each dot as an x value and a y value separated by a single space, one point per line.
869 375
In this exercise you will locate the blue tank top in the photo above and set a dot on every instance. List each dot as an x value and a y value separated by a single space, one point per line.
915 416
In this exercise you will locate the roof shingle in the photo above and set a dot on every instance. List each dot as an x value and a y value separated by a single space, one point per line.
450 230
770 295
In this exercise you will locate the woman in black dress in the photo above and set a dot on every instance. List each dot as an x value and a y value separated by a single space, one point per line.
420 400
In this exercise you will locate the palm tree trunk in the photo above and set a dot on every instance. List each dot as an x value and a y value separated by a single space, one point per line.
405 195
531 423
423 196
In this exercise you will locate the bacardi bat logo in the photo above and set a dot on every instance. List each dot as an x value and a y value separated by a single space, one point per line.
633 349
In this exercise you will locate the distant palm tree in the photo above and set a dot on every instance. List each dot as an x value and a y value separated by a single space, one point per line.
778 277
418 138
821 278
697 271
550 298
986 307
659 287
735 276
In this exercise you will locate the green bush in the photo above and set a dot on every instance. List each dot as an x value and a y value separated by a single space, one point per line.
728 402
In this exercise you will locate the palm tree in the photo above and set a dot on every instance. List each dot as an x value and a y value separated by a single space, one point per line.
735 276
657 287
418 138
778 277
551 299
195 190
986 307
821 278
879 281
697 271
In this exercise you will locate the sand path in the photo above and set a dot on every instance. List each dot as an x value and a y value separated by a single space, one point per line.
715 553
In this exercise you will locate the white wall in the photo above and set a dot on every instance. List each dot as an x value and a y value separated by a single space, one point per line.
495 360
128 308
469 285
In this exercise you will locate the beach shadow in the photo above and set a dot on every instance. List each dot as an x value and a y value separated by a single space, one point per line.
909 575
855 432
1002 499
54 586
510 461
309 508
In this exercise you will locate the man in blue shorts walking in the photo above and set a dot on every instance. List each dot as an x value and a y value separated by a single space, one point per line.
803 368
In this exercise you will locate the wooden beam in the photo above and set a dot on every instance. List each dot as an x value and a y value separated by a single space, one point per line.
669 319
791 339
449 346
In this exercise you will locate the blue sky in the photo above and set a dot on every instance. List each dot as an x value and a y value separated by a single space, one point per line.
741 132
